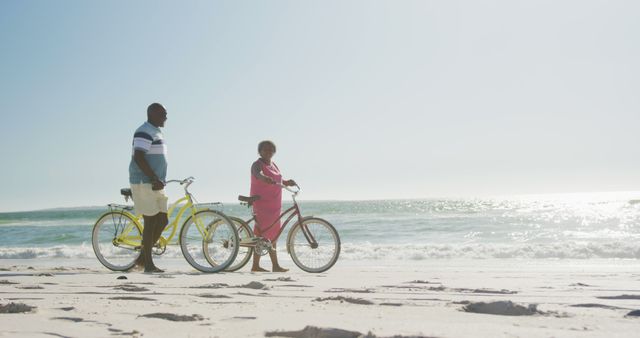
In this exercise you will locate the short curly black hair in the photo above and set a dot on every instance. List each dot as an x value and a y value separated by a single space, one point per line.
265 143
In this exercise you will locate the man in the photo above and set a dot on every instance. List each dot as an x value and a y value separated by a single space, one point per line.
147 174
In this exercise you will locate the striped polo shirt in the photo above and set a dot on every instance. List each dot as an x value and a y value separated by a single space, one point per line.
148 139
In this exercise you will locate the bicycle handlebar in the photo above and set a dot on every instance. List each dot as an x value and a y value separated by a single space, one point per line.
295 192
189 179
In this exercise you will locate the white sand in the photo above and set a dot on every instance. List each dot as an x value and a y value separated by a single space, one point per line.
432 307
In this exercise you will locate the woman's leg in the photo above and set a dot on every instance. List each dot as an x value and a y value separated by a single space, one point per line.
273 254
256 264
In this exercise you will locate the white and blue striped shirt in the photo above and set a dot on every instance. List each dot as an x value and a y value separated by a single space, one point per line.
149 139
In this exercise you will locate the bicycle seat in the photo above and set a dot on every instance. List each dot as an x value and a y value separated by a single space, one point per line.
125 192
248 199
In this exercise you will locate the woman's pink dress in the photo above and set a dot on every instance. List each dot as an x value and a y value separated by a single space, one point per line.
267 209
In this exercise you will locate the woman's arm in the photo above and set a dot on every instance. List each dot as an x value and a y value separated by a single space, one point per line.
256 171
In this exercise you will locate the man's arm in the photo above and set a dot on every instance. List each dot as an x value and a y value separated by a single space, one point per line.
138 156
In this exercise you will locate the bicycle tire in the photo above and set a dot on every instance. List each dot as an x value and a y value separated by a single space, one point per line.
299 248
119 260
190 236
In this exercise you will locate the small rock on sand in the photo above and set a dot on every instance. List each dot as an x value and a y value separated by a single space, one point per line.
122 277
174 317
503 308
16 308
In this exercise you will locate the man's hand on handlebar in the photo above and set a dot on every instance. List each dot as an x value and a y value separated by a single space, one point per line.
156 184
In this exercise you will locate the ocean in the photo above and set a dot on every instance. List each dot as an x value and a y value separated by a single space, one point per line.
579 226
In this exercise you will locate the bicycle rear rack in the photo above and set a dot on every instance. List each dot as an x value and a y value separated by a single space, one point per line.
119 207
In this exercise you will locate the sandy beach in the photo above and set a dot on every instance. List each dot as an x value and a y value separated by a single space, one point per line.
434 298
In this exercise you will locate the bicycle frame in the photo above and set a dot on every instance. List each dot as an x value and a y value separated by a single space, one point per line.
189 204
295 211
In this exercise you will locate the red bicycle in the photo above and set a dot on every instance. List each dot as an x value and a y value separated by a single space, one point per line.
313 243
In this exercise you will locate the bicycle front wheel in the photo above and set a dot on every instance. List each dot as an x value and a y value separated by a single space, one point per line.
209 236
116 240
314 245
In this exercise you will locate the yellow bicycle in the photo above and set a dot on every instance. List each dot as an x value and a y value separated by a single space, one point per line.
117 235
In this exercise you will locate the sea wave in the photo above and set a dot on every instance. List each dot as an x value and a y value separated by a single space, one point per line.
383 252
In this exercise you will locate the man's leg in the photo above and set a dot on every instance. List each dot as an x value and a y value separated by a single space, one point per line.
147 242
162 221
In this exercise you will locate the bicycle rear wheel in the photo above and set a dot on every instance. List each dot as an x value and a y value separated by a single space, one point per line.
314 245
245 251
116 240
206 236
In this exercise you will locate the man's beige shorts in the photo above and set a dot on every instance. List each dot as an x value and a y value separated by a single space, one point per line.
147 201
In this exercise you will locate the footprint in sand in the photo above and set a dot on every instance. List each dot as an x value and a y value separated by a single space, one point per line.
312 332
71 319
503 308
634 313
174 317
7 282
620 297
341 290
253 285
207 295
342 299
68 308
280 279
600 306
16 308
131 298
131 288
211 286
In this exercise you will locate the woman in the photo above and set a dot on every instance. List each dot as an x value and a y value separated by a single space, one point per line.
265 182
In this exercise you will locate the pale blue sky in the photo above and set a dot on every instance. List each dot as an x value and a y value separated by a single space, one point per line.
365 99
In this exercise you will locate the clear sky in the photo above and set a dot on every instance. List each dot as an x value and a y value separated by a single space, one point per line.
364 99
